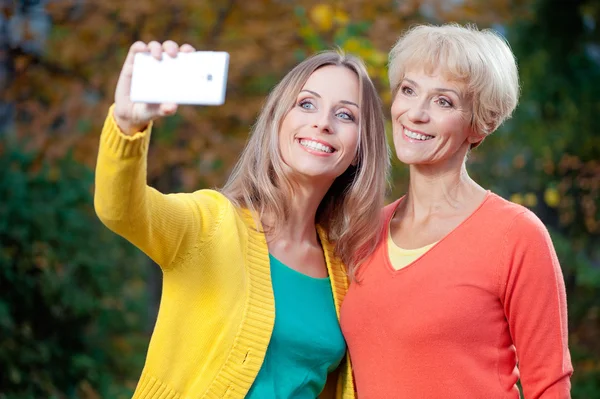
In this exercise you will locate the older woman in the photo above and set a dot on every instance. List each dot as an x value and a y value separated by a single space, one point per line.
464 295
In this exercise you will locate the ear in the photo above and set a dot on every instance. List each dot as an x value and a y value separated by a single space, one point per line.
475 139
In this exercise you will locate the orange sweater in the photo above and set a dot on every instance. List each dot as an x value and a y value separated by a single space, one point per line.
454 323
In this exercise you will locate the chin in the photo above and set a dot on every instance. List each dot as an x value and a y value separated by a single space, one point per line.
317 175
408 159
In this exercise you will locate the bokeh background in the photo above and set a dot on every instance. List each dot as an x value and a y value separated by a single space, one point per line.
77 303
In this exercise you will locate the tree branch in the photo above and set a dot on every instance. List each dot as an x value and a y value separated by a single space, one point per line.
219 23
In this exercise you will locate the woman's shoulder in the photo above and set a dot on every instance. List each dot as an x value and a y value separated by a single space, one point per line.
208 204
210 195
514 216
497 203
211 198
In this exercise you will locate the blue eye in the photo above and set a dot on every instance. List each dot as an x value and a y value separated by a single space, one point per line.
306 104
346 116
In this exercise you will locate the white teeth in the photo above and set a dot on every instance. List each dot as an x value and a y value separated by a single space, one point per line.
416 136
313 145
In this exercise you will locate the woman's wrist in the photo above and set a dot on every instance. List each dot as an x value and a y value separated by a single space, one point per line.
126 127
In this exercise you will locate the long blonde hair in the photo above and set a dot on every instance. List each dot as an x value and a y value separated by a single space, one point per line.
349 212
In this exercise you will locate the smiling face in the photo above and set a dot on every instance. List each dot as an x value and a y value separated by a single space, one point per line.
431 118
318 137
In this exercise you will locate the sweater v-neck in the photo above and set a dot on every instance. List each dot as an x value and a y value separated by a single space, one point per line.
391 210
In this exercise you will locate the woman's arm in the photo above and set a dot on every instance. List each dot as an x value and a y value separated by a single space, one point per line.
536 309
163 226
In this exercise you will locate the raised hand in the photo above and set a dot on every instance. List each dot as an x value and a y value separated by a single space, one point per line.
133 117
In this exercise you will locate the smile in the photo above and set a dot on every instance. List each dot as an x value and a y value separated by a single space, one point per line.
316 146
416 136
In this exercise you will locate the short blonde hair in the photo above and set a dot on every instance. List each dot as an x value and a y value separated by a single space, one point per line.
482 59
349 212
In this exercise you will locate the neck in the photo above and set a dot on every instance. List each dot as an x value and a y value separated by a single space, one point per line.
434 191
300 225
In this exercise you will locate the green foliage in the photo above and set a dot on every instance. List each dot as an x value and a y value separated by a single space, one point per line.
70 290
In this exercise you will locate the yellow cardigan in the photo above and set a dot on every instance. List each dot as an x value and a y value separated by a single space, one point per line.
217 308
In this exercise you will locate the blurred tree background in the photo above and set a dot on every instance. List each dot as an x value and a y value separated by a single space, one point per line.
77 304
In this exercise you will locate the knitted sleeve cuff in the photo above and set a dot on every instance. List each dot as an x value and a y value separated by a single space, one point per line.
121 145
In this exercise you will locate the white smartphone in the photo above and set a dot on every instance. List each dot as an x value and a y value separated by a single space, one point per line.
190 78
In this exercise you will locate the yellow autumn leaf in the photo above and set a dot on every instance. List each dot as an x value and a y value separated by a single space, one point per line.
353 46
551 197
378 58
305 32
322 16
341 18
517 198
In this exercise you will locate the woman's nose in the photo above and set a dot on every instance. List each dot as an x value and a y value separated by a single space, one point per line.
322 122
418 113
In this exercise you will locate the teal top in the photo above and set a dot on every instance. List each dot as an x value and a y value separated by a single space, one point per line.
306 343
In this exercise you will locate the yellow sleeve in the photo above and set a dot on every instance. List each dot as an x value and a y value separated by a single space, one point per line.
165 227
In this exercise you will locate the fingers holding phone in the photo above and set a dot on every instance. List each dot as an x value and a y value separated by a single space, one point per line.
131 116
184 77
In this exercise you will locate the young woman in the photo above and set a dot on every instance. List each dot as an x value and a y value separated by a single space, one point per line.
464 295
253 274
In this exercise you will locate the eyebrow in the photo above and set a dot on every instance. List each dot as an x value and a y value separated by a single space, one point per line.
319 96
440 89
